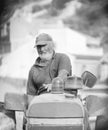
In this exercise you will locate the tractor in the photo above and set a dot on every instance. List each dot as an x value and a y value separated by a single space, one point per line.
60 109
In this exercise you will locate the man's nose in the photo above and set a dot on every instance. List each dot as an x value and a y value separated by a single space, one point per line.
42 48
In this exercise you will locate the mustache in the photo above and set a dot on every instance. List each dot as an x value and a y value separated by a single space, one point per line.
42 52
45 51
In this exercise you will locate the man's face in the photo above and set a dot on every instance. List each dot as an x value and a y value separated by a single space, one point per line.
44 51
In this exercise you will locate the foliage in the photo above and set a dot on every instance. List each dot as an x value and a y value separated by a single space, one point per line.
91 17
59 4
7 8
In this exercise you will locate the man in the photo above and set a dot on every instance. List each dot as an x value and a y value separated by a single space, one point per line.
48 66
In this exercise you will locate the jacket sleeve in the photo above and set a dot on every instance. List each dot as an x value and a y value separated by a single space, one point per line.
31 89
64 68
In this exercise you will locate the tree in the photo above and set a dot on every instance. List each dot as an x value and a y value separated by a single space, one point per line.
91 18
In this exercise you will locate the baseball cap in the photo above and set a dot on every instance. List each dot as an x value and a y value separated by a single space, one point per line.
43 39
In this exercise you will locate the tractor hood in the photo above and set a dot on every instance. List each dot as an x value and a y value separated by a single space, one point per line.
55 105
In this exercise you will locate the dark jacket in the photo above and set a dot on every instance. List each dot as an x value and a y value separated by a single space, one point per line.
43 73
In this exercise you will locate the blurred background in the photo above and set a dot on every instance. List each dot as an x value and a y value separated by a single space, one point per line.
76 26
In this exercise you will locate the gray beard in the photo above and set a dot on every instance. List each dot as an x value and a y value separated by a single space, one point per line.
46 57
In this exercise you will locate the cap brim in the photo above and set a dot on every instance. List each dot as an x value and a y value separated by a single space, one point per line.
42 43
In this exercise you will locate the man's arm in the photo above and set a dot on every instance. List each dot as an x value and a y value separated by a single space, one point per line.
31 90
65 67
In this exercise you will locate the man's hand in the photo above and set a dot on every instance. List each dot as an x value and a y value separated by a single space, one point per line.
48 87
